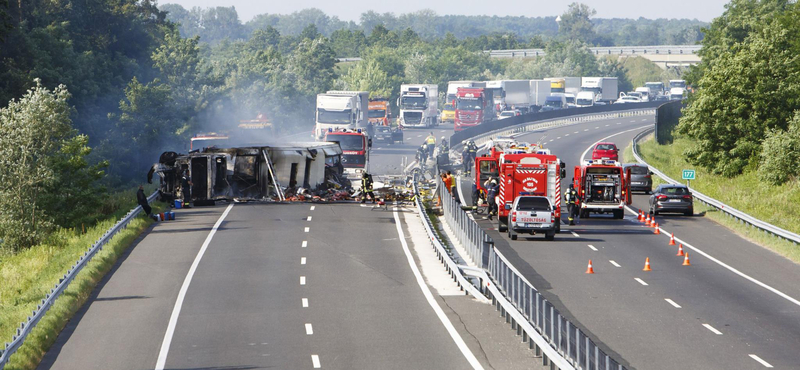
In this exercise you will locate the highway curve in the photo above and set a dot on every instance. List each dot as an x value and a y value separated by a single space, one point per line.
735 307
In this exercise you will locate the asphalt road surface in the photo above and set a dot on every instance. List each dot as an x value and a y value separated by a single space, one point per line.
735 307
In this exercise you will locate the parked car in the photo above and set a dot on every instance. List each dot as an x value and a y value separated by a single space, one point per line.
532 214
605 150
388 134
672 198
641 177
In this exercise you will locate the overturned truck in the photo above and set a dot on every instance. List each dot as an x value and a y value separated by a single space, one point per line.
251 173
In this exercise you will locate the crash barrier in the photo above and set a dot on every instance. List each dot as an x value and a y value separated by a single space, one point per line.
26 327
667 116
467 231
539 120
731 212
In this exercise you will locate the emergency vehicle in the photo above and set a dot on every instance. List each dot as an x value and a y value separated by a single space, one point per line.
603 186
355 147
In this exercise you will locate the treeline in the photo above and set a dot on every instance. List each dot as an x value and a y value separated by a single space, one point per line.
745 114
219 23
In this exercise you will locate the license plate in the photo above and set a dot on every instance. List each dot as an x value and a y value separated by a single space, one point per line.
533 225
674 200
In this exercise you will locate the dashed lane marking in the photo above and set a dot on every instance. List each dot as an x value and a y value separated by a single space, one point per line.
592 248
576 132
305 302
644 120
551 140
608 125
305 243
715 331
762 362
575 234
614 263
565 135
313 207
585 130
619 123
315 361
309 329
309 218
302 260
307 229
640 281
672 303
558 138
302 280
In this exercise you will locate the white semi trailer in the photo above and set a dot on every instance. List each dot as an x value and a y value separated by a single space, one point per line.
419 105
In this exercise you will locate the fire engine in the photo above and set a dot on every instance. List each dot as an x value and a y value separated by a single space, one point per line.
521 171
355 147
604 187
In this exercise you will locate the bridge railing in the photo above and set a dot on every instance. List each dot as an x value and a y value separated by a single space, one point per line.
612 50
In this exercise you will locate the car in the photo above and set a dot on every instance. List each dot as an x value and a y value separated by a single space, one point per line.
641 177
605 150
628 99
531 214
509 114
387 134
672 198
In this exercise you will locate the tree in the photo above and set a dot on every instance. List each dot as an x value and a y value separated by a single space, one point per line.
347 43
310 33
780 154
368 76
576 23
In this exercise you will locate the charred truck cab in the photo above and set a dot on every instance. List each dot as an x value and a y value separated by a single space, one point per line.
355 147
604 187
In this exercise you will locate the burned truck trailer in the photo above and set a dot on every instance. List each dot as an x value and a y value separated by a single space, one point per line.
248 173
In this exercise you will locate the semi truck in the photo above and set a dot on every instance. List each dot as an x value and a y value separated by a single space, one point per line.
379 112
656 88
355 147
571 85
677 89
540 90
474 106
419 105
603 187
338 110
605 88
510 94
452 88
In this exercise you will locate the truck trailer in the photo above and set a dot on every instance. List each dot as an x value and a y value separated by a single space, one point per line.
606 89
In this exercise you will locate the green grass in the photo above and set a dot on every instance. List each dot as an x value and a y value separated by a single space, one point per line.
745 192
29 275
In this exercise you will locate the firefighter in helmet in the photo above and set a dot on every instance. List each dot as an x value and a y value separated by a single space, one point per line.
430 143
366 188
572 198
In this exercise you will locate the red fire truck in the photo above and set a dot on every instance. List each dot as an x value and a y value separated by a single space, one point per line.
603 187
355 147
474 106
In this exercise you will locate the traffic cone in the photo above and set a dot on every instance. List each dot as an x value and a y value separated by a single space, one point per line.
653 222
590 270
655 229
686 260
680 250
647 265
647 220
672 239
640 216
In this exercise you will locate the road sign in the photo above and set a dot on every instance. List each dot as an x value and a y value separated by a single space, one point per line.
688 174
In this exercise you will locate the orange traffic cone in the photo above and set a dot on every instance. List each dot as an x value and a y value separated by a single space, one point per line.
647 220
590 270
672 239
655 229
653 222
647 265
680 250
686 260
640 215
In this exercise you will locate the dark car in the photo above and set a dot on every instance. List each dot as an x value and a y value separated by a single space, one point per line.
672 198
605 151
641 177
388 134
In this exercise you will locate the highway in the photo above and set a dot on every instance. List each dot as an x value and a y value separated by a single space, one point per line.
735 307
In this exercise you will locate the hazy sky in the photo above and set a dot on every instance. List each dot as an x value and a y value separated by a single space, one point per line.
704 10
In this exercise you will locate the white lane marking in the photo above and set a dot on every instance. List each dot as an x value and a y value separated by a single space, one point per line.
592 248
576 132
426 291
302 280
558 138
313 207
305 243
723 264
565 135
307 229
176 310
607 125
302 260
633 121
672 303
458 187
585 130
305 302
551 140
762 362
640 281
607 137
715 331
644 120
309 329
614 263
597 128
619 123
309 218
576 234
315 361
419 135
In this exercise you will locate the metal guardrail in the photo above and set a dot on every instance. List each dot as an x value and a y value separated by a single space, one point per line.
41 309
474 239
613 50
728 210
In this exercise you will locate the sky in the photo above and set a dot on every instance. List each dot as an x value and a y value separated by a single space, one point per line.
704 10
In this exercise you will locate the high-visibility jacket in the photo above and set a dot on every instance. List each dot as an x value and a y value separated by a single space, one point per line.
571 196
366 184
430 140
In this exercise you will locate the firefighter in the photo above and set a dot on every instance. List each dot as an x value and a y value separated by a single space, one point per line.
186 188
471 151
491 194
366 188
422 154
572 198
142 200
430 142
443 147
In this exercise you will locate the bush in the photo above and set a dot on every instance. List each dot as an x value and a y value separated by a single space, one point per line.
780 153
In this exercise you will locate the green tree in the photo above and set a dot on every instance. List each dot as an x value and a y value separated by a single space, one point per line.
368 76
576 23
780 154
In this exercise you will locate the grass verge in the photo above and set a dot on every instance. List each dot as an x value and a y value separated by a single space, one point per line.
29 275
745 192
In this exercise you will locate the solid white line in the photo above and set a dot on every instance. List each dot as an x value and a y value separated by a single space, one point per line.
309 329
302 280
640 281
309 218
315 361
576 234
307 229
305 243
592 248
723 264
302 260
176 310
426 291
305 302
715 331
762 362
614 263
672 303
458 188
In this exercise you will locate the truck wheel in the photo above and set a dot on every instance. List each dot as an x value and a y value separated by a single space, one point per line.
619 214
558 226
500 226
550 235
